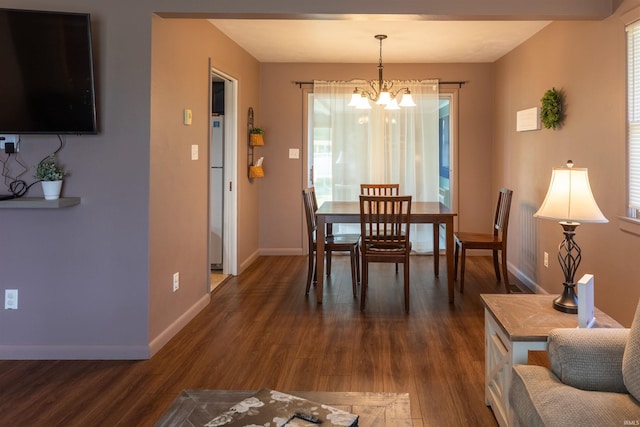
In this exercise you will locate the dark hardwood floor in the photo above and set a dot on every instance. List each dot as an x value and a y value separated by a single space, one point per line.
261 331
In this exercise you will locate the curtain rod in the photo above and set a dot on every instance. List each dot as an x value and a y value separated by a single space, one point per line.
459 83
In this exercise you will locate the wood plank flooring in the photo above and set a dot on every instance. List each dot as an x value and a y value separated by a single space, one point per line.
261 331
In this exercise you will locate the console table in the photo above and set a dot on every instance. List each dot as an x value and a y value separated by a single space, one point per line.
197 407
514 325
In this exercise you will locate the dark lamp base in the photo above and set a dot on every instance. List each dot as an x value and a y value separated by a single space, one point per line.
568 301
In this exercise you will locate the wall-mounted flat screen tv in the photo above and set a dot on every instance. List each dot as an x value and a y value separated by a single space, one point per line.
46 73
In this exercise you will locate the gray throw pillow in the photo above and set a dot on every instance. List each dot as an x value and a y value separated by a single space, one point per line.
631 359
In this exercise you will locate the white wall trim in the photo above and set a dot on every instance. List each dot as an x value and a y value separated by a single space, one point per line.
526 280
165 336
74 352
282 251
248 261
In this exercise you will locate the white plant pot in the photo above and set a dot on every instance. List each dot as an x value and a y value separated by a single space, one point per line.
51 189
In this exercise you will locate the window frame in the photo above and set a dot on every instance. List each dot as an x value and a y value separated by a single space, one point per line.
630 222
632 31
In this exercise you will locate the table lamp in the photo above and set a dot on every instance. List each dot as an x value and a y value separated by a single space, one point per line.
569 200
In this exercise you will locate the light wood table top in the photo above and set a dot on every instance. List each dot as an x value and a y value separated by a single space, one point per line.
530 317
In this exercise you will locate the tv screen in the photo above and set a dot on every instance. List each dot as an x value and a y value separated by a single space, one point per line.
46 73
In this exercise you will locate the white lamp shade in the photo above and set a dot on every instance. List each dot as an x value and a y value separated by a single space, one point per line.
384 98
407 100
363 103
569 198
355 99
392 105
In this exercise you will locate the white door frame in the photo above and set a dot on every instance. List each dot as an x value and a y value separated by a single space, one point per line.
307 159
452 95
230 233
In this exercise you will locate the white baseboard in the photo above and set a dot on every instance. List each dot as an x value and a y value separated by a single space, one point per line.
165 336
526 280
282 251
74 352
247 262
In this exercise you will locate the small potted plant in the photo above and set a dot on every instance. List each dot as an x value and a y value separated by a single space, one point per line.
50 174
256 136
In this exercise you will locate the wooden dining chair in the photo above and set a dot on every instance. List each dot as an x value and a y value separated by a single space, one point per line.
328 232
495 241
333 243
380 189
384 229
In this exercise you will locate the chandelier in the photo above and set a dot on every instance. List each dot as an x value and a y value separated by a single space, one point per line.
381 91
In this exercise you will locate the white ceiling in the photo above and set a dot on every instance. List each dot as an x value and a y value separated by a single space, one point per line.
352 41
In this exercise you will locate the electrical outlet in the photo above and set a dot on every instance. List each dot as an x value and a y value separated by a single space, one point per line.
10 299
176 281
546 259
9 143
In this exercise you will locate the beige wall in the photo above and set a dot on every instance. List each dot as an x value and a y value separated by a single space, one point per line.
586 60
178 220
281 226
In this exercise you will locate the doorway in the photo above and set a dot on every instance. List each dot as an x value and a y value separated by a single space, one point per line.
223 142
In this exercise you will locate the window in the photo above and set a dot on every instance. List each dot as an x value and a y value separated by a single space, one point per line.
633 126
349 146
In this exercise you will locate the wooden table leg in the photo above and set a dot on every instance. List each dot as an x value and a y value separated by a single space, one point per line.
320 238
436 249
450 248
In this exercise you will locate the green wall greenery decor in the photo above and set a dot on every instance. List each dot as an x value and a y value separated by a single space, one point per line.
551 113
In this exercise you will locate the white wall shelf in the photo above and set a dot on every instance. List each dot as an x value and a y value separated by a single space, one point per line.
39 203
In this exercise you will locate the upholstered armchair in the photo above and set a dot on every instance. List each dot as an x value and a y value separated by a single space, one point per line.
594 380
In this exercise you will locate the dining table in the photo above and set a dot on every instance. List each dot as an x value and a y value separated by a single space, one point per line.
344 212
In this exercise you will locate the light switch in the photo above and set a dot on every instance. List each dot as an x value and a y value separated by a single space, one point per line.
194 152
188 116
10 299
294 153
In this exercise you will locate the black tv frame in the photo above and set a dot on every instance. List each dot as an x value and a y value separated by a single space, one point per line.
87 123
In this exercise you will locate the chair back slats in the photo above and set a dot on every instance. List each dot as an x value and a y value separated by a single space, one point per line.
308 197
380 189
501 222
384 236
385 220
314 201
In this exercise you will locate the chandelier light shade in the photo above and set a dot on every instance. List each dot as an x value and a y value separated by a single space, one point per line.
392 105
407 100
381 91
360 101
570 201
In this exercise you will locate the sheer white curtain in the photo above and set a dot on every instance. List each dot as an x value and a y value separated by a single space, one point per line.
354 146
